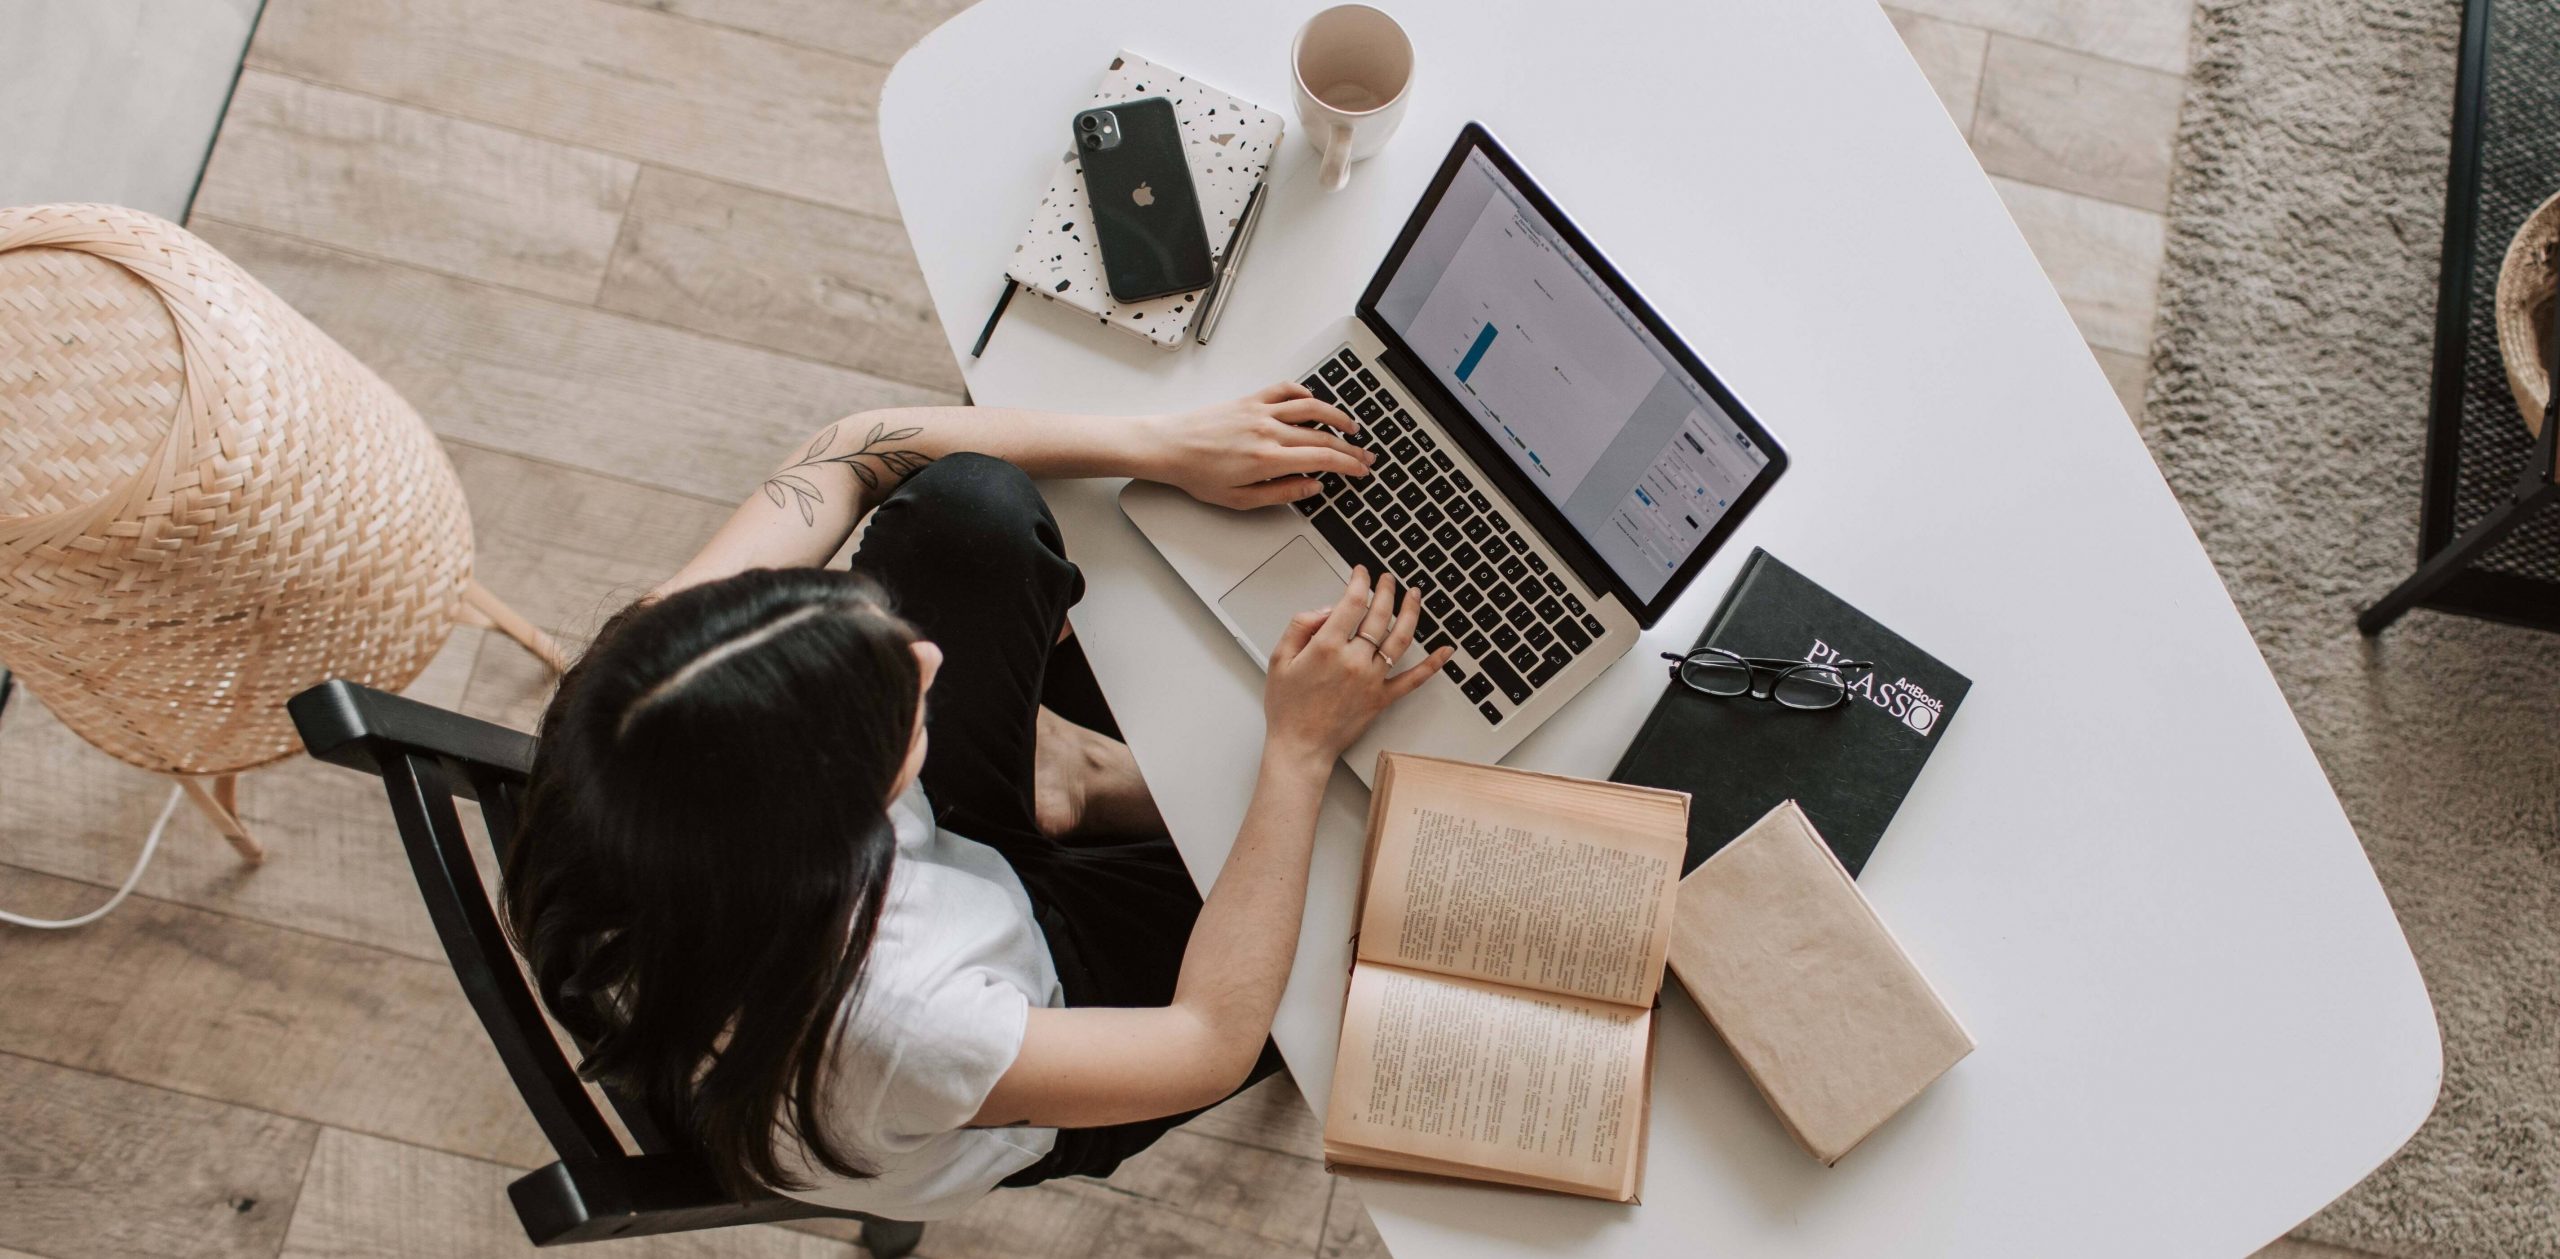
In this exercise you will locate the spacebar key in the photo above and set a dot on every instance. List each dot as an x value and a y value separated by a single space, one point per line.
1338 531
1506 677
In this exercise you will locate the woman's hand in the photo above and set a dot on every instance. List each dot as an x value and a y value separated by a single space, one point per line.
1331 674
1253 451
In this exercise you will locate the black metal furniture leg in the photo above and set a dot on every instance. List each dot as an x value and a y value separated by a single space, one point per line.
2444 565
2536 487
891 1239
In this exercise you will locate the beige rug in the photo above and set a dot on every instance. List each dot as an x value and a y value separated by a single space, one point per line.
2287 409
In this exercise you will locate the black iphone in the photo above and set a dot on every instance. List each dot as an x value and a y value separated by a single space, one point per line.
1146 215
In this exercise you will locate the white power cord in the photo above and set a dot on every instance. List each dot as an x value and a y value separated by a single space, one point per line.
150 845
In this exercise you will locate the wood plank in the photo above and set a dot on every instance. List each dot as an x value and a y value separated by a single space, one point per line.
416 187
99 1167
877 31
1242 1188
2083 124
1271 1115
606 76
569 548
817 281
514 692
2130 374
335 866
243 1012
367 1198
2103 258
563 383
2141 32
1348 1234
1951 55
1076 1219
1187 1195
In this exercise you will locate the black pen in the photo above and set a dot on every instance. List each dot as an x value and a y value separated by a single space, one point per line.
992 316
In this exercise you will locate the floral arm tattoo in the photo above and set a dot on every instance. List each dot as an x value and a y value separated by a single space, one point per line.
871 460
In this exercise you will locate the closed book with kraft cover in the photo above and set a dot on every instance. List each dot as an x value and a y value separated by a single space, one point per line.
1849 767
1814 996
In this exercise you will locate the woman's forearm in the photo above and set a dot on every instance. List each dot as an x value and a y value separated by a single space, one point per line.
1237 963
805 510
1248 452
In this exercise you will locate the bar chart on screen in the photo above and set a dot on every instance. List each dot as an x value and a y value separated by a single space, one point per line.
1476 349
1533 348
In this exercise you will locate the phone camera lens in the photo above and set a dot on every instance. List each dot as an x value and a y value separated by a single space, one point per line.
1092 141
1089 123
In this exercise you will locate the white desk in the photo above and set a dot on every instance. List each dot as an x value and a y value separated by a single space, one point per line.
2124 869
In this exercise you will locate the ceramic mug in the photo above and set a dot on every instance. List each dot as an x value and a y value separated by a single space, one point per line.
1354 69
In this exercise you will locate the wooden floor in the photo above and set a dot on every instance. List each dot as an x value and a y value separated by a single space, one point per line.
620 254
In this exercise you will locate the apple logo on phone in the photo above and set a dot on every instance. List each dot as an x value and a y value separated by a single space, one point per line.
1143 195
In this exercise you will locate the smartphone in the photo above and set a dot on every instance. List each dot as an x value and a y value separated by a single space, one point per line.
1146 215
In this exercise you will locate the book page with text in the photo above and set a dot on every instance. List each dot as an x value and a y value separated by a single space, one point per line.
1549 1088
1523 879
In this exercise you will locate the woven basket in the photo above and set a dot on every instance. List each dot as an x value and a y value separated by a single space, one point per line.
2524 305
206 505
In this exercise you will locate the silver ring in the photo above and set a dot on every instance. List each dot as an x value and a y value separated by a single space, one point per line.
1374 644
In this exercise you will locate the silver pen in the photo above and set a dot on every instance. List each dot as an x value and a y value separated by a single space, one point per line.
1234 259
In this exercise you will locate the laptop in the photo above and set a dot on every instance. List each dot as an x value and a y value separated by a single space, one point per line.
1553 467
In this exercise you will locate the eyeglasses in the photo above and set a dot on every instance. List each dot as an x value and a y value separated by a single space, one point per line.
1792 683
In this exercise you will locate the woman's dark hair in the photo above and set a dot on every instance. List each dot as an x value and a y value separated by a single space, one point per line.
704 846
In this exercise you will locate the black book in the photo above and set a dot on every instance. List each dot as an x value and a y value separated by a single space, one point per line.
1848 767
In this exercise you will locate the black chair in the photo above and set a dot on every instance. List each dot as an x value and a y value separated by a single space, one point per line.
426 757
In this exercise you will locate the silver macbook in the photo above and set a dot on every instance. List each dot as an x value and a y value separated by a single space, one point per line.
1553 467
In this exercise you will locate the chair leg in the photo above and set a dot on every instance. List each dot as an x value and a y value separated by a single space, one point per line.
512 624
891 1239
221 804
2444 565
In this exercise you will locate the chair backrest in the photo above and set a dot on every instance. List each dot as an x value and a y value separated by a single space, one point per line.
426 757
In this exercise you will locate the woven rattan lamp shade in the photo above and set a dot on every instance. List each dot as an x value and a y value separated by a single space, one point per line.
206 505
2525 295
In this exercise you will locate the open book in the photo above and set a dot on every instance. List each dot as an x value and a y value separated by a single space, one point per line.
1513 927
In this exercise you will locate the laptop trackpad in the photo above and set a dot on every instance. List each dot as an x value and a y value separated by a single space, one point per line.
1294 580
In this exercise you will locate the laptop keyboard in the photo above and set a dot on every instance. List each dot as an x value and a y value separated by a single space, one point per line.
1485 590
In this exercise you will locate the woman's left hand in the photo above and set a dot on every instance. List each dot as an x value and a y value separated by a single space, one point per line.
1254 451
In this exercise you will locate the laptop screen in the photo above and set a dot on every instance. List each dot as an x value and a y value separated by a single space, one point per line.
1632 449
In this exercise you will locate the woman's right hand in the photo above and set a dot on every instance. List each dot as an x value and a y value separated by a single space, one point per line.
1333 672
1255 451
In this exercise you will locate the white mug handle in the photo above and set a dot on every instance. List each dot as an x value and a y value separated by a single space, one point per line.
1337 156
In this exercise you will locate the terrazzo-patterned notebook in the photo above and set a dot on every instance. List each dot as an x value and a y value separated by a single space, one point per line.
1230 142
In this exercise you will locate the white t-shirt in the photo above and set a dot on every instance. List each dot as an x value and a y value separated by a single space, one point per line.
953 973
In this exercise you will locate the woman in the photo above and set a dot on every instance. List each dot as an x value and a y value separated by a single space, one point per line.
809 866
